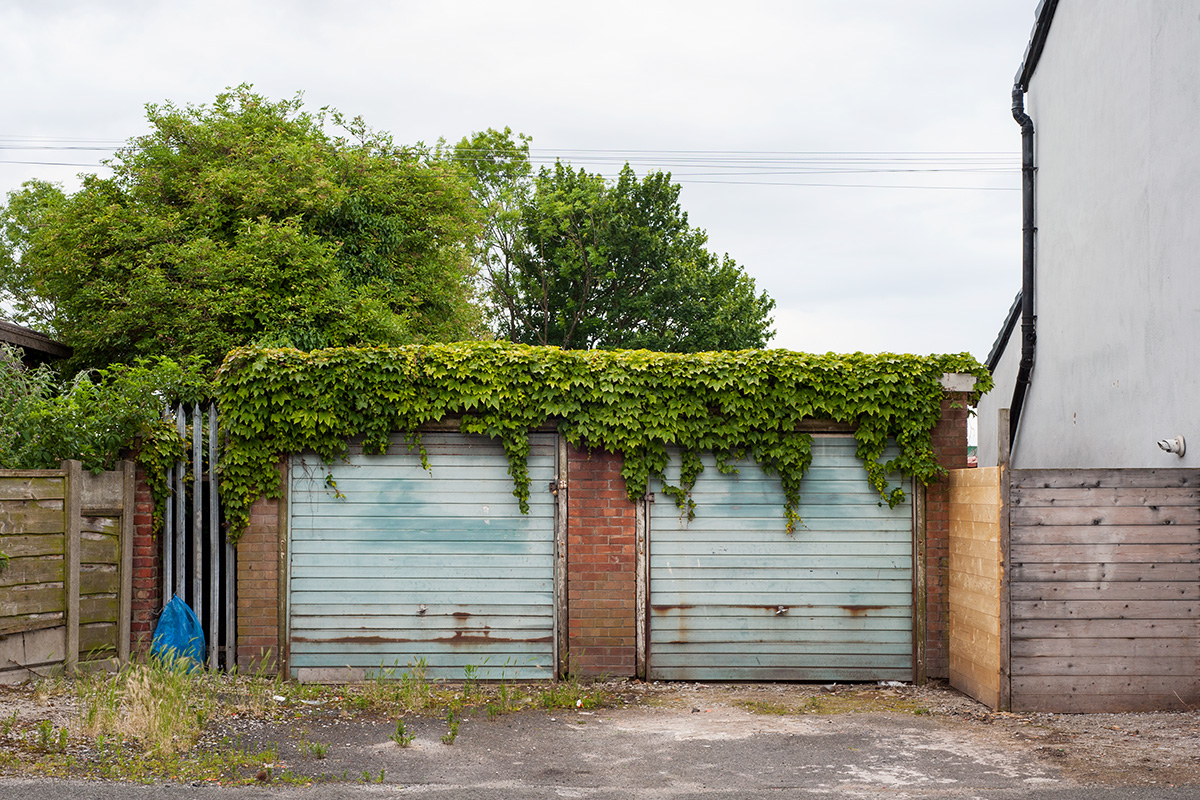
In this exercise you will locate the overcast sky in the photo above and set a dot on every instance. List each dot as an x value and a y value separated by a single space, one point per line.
755 107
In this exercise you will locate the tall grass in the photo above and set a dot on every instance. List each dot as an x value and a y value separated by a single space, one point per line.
162 703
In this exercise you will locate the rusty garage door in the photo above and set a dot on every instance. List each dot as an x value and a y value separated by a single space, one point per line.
394 566
733 596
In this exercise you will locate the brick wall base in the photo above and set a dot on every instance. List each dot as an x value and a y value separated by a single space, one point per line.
147 569
950 447
601 586
258 590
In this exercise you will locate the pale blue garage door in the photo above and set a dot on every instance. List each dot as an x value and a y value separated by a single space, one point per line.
734 597
410 565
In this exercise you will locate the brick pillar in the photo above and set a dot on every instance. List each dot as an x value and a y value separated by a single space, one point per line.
147 569
950 448
601 584
258 589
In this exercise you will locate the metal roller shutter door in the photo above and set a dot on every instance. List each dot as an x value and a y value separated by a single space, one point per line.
437 565
734 597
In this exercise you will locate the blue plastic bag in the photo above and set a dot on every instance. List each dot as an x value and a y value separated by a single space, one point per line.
178 633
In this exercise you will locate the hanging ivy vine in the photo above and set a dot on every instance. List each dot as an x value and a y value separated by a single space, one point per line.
636 403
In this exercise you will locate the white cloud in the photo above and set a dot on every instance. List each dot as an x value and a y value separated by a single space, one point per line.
851 268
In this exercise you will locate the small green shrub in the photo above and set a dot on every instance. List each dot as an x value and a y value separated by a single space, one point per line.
402 737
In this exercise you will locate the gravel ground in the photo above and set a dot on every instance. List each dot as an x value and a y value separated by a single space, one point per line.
1148 748
1091 749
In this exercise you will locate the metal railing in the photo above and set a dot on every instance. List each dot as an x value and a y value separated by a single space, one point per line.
198 562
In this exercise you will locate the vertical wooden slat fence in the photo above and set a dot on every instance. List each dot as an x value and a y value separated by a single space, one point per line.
65 597
198 563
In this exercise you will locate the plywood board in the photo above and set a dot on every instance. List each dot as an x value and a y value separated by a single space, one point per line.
32 517
98 549
96 639
1103 609
1113 572
971 583
28 571
980 495
1106 665
980 686
41 599
1103 628
1104 478
1104 553
99 580
1106 534
1056 702
981 476
1078 647
1108 591
1106 685
987 531
98 608
42 488
31 622
1118 515
983 603
32 546
1099 498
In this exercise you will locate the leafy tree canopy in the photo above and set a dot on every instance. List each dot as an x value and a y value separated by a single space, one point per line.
573 260
245 221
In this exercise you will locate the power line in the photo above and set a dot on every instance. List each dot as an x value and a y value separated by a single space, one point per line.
53 163
864 185
726 167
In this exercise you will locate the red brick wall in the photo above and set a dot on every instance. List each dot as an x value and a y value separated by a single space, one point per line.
601 586
147 569
950 447
258 589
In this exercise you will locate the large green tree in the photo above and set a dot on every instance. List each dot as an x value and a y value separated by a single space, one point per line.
574 260
245 221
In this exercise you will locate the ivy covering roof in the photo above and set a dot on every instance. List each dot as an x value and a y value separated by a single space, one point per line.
637 403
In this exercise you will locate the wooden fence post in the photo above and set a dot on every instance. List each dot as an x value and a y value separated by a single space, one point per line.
920 586
1004 461
73 518
125 592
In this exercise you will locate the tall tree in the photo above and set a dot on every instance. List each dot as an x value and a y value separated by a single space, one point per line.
573 260
245 221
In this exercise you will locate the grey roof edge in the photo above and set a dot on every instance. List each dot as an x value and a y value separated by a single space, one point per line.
1037 40
1010 324
29 339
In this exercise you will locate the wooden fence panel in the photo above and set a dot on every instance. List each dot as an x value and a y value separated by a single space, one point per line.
1105 590
100 573
976 575
66 591
32 530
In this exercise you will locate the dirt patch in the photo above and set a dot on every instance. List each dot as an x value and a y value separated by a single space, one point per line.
1149 748
326 737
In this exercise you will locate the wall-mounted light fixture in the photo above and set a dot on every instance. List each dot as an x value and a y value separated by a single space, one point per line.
1176 445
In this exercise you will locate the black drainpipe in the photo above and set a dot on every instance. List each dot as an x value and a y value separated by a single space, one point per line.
1028 332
